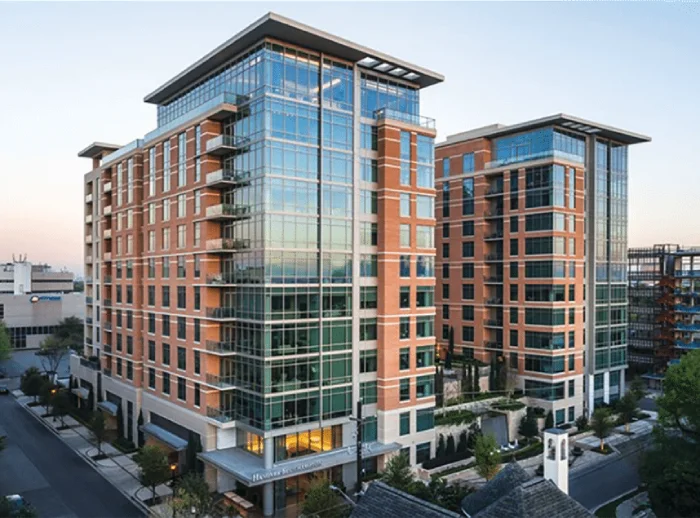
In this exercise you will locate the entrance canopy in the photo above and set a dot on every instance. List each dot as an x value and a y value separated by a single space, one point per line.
250 470
163 435
108 407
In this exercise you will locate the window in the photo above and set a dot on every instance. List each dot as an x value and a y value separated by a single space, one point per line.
404 389
197 391
445 312
151 323
166 325
368 329
404 358
181 358
467 228
467 270
405 205
513 270
165 237
165 354
181 302
446 200
197 330
425 356
468 196
404 328
540 340
165 295
166 382
405 423
368 361
196 226
468 163
368 201
181 272
422 452
425 236
404 297
405 173
368 265
425 266
513 315
197 362
425 206
468 291
425 419
405 266
424 327
166 209
197 266
368 233
152 378
514 338
467 334
545 316
545 269
129 370
181 165
151 213
445 271
182 328
445 230
514 293
445 167
545 364
514 247
468 249
181 389
572 362
368 392
151 351
405 235
446 250
468 313
425 296
513 224
197 298
181 236
368 297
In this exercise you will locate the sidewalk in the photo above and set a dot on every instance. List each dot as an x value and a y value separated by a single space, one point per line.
119 469
638 429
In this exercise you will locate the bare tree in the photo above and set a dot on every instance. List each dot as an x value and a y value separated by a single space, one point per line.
53 351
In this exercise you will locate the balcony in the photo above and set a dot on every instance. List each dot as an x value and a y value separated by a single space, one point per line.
221 313
88 340
220 279
107 211
222 348
220 414
88 300
226 145
226 245
494 235
88 280
107 326
494 279
107 187
107 303
107 279
494 323
227 211
493 345
107 233
106 348
494 301
407 118
224 382
494 257
496 190
494 213
88 219
88 259
88 198
88 239
107 256
225 178
88 321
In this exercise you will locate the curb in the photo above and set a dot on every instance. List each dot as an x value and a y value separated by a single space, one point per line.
140 505
593 511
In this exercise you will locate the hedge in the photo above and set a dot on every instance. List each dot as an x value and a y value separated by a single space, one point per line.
446 459
455 418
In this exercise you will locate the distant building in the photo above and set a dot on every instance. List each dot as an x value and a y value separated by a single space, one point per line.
664 311
33 299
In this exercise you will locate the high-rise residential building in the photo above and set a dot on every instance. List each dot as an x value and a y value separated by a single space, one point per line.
532 266
664 308
266 261
33 299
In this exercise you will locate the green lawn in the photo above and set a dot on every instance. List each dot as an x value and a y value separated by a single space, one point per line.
608 510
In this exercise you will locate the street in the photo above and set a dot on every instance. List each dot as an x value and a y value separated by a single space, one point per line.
609 480
39 466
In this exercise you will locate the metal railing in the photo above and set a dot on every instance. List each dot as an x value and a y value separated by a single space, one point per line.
107 326
107 303
220 414
232 142
227 175
221 313
220 381
228 209
106 348
107 279
228 244
88 300
220 347
88 198
107 211
107 187
108 233
90 364
415 120
220 278
88 219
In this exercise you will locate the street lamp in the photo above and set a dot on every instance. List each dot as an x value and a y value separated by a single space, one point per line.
342 493
173 467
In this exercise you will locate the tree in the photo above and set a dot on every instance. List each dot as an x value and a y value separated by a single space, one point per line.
139 437
627 408
450 449
31 371
450 348
477 387
46 392
153 467
26 511
464 387
397 472
602 425
549 421
493 374
440 450
31 385
98 429
52 352
462 442
487 456
61 404
638 388
120 422
91 400
439 387
322 502
474 433
5 346
528 425
192 498
71 330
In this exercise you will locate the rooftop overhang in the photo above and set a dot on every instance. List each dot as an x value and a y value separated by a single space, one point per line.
561 120
97 149
273 25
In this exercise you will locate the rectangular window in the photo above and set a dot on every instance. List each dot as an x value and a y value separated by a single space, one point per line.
197 234
405 172
197 392
181 272
425 386
425 356
151 295
425 419
182 328
425 206
467 334
468 291
446 250
368 233
151 350
424 327
181 389
368 201
404 389
368 392
368 297
166 325
405 236
368 361
166 383
514 247
404 328
197 362
197 298
368 265
182 358
467 228
468 249
405 205
197 330
404 358
405 423
166 209
129 370
405 146
165 354
425 236
425 296
468 163
368 329
514 338
468 196
181 164
166 167
513 315
467 270
425 266
468 312
445 291
152 378
181 300
166 268
445 167
405 266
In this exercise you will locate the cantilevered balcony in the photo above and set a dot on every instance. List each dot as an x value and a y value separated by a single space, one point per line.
88 198
88 219
88 239
107 187
223 382
88 259
107 211
225 178
227 245
227 211
226 145
223 415
220 347
107 256
107 233
220 279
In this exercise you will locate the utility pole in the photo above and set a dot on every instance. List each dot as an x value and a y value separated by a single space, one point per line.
358 433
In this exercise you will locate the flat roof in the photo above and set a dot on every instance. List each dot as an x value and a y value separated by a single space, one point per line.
561 119
97 148
276 26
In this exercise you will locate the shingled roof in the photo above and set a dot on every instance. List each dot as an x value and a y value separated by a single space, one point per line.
510 477
538 498
381 500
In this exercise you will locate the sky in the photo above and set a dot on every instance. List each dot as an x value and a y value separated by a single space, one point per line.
74 73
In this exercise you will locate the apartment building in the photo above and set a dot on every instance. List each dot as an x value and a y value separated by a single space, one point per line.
34 298
664 308
532 244
265 261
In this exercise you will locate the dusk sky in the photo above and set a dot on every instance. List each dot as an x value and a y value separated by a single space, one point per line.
73 73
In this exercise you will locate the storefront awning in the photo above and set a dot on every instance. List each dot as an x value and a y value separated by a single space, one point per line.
82 393
108 407
250 469
170 439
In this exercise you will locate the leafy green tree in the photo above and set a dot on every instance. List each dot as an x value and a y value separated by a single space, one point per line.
549 420
140 438
61 404
192 497
2 442
98 429
46 392
7 510
450 449
72 330
5 346
53 351
322 502
492 374
397 472
31 371
462 442
528 425
638 388
450 348
31 385
487 456
582 422
153 467
439 387
602 425
626 407
440 450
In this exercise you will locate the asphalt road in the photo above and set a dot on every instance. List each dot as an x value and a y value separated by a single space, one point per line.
610 480
53 478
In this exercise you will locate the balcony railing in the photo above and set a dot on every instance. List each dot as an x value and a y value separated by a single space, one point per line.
220 347
88 340
494 323
88 259
494 235
107 187
220 381
494 301
88 238
226 144
221 313
220 414
495 279
217 279
228 211
493 345
88 320
88 219
550 153
107 279
107 256
90 364
415 120
88 300
88 198
106 348
107 233
494 191
494 257
227 245
493 213
107 326
226 177
107 303
107 211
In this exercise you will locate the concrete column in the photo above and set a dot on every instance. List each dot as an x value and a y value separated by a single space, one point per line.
269 453
606 387
269 499
622 384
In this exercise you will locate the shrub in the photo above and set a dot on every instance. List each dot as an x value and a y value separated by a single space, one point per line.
508 405
447 459
456 417
539 411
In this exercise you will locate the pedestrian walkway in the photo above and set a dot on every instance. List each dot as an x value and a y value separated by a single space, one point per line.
637 428
118 468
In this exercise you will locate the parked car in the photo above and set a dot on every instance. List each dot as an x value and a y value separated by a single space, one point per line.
4 390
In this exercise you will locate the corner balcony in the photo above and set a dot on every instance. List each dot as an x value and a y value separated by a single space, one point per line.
88 198
107 234
107 187
223 415
227 246
220 279
88 239
222 382
88 259
406 118
107 279
88 219
226 145
227 211
225 178
220 348
107 256
221 313
107 211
